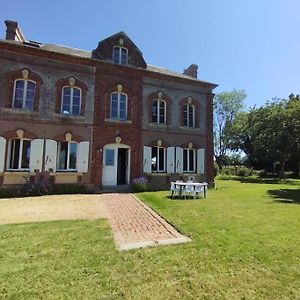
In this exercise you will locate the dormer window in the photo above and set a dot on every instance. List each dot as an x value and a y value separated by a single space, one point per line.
120 55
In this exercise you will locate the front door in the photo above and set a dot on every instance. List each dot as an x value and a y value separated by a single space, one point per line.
115 165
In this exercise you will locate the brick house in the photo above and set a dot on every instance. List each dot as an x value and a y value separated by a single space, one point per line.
102 117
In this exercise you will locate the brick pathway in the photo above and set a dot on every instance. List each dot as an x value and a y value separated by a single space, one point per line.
135 225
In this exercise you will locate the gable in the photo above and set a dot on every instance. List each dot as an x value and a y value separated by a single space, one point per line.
105 48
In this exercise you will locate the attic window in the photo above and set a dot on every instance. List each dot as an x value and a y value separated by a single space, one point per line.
120 55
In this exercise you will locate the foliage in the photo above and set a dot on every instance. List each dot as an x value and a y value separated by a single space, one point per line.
269 136
226 106
139 184
237 171
245 245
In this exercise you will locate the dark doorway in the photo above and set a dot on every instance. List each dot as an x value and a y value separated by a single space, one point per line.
122 166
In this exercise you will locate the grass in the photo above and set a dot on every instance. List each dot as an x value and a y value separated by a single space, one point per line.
245 244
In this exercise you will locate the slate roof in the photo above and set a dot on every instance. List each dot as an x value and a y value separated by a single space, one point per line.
88 55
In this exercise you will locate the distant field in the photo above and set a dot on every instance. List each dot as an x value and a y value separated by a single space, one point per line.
245 244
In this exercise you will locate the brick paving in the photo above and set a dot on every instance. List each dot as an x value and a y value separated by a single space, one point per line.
135 225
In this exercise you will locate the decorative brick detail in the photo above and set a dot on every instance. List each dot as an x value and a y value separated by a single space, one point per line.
62 137
12 77
196 104
164 97
9 135
58 93
186 145
154 143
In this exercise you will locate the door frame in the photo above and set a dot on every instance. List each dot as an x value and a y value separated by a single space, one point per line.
115 147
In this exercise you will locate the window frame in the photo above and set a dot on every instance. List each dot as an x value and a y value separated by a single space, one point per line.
188 105
118 110
68 157
71 100
119 60
24 98
9 155
158 110
188 169
158 160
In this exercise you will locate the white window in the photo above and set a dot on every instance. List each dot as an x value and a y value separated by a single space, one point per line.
189 160
19 154
120 55
24 93
158 159
67 156
118 106
71 101
158 111
189 115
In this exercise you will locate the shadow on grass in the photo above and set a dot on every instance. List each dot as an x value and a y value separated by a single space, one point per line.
260 180
286 195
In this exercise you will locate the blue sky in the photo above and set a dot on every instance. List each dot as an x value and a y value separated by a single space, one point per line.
242 44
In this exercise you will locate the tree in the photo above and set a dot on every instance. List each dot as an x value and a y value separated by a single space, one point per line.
226 106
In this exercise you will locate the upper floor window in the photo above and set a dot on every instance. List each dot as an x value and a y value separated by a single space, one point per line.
189 160
120 55
71 101
67 156
158 159
118 106
19 154
24 94
189 115
159 111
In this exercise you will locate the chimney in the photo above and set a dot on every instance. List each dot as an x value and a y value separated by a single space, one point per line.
13 31
191 71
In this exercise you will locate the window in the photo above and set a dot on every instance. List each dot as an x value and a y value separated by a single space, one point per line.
120 55
189 160
118 106
71 101
189 115
158 159
19 154
109 157
24 93
159 111
67 156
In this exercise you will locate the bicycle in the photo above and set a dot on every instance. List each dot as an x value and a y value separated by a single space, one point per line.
31 188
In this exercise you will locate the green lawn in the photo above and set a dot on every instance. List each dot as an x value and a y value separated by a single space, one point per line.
245 244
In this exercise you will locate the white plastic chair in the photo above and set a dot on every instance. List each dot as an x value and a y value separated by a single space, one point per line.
189 191
198 190
174 190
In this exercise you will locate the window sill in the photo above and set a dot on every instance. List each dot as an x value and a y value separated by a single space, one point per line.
19 111
118 121
159 174
159 125
68 117
65 173
189 128
18 172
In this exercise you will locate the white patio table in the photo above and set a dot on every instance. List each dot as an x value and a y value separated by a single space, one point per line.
182 185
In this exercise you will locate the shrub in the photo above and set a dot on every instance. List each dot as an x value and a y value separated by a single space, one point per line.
244 171
216 169
139 184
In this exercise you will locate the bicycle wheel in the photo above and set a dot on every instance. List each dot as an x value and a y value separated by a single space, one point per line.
45 189
19 191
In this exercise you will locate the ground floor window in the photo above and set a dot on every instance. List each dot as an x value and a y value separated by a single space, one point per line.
158 159
189 160
19 154
67 156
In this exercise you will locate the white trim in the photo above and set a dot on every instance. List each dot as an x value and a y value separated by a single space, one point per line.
20 155
68 157
188 115
158 111
188 160
71 99
120 55
24 93
158 160
118 112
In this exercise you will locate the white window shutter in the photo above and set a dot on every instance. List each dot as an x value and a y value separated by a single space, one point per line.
200 161
36 155
147 160
179 160
83 157
170 160
50 155
2 153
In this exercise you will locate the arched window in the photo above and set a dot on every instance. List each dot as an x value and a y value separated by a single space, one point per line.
120 55
189 160
159 111
24 94
118 106
189 115
158 159
67 156
71 101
